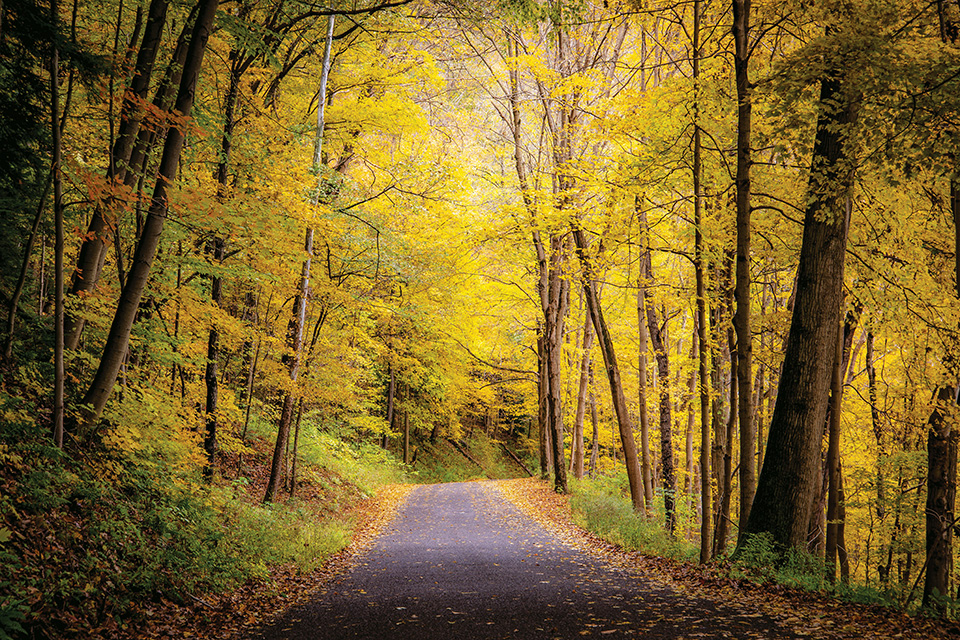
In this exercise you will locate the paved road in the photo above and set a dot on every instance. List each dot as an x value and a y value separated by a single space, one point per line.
461 562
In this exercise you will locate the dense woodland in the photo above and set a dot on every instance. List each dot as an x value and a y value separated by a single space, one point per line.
708 249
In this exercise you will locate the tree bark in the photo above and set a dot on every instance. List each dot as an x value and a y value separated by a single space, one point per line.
643 335
669 482
613 371
119 337
941 498
595 445
742 320
578 440
292 360
90 258
834 524
555 312
782 504
391 396
58 344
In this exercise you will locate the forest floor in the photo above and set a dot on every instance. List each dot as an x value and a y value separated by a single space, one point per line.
680 593
807 614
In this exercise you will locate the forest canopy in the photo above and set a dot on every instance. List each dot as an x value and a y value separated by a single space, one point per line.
711 247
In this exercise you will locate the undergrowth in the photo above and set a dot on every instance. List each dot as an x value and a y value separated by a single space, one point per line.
93 540
441 462
602 506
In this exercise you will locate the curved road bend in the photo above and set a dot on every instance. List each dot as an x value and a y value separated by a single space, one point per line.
461 562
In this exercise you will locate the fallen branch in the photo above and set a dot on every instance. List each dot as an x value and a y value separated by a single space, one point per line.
463 451
516 459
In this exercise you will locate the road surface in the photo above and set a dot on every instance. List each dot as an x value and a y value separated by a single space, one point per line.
461 562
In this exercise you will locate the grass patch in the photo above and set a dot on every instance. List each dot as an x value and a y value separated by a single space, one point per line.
602 506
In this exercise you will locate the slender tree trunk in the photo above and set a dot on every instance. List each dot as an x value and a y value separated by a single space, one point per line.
391 395
782 504
297 324
742 320
595 445
689 408
118 339
406 425
726 486
22 278
833 462
58 370
669 482
578 444
834 523
90 258
613 372
543 390
296 447
292 360
700 324
643 338
555 314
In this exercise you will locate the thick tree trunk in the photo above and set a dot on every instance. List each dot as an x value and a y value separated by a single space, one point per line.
119 337
941 498
613 372
782 504
741 320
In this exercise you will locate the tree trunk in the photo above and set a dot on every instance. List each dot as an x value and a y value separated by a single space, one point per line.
741 320
700 323
613 371
90 258
834 524
118 339
406 428
58 346
726 480
578 444
391 396
555 313
941 497
296 447
595 446
833 462
292 360
669 482
782 504
645 462
643 338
